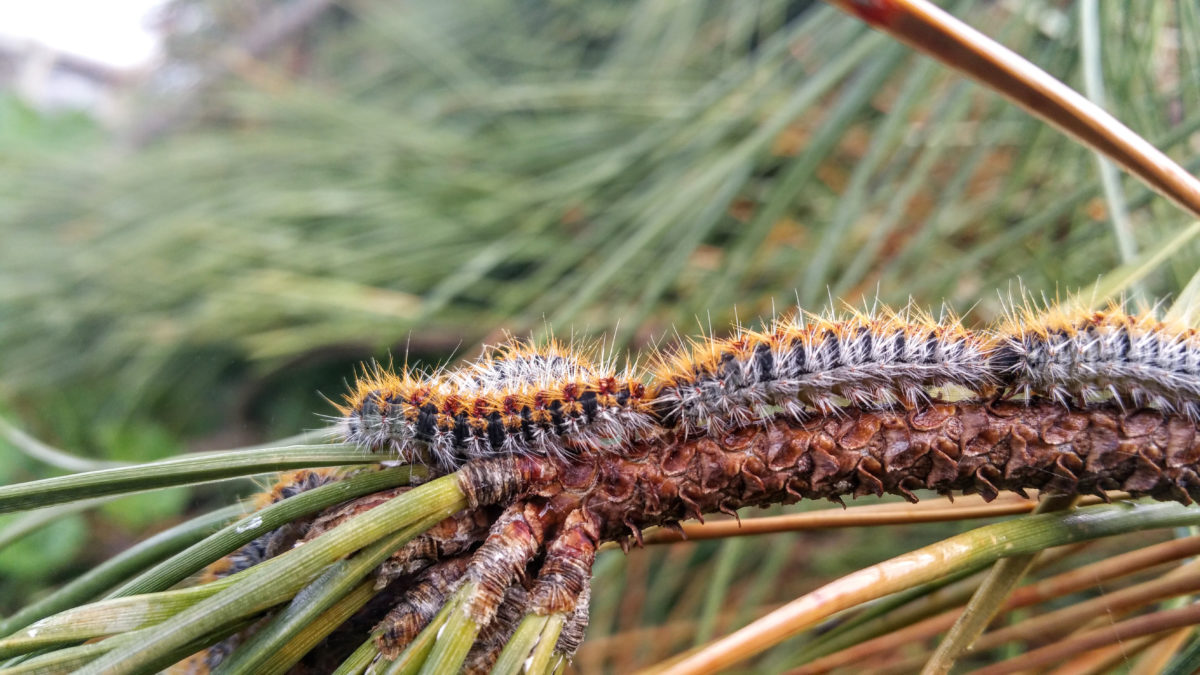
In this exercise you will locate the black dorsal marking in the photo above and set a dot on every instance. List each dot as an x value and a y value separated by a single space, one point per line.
764 362
590 405
496 431
427 422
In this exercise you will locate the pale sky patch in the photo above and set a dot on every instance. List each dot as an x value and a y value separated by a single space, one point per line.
116 33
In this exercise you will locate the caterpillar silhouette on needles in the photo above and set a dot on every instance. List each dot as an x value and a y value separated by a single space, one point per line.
553 399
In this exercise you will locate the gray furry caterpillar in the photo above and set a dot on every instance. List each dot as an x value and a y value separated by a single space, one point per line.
819 363
1066 353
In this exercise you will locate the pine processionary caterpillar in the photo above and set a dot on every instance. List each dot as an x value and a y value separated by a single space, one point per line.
293 483
517 399
289 484
272 543
522 399
818 363
1069 353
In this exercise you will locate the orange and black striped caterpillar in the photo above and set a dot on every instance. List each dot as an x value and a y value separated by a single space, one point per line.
523 399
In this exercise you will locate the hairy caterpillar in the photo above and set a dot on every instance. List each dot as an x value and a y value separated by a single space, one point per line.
269 545
1064 353
516 399
272 543
815 363
521 399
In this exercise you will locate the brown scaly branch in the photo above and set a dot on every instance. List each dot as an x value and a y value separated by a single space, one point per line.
537 555
526 543
946 447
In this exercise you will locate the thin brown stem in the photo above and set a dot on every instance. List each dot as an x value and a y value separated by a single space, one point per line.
1056 624
1156 657
929 29
1104 659
928 511
1057 586
1150 624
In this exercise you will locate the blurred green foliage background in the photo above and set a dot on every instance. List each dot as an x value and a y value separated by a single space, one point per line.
408 180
